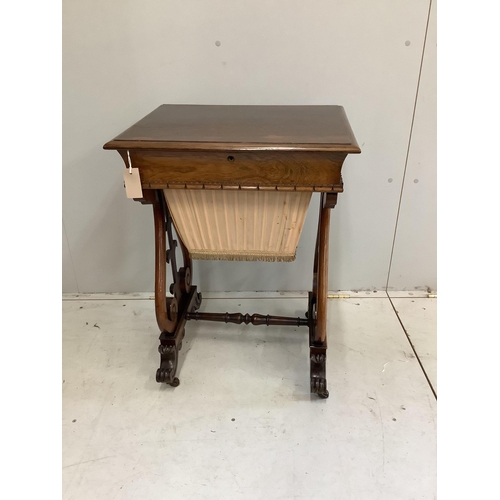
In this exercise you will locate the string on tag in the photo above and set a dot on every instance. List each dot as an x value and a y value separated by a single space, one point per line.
129 163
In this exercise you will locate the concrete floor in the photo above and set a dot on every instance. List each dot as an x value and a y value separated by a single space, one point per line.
242 424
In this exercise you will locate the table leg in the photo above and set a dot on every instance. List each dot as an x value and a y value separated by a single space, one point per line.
170 311
317 310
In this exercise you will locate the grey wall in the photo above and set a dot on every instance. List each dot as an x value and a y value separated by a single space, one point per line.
414 258
122 59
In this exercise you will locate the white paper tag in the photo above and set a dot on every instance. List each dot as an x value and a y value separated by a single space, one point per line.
132 183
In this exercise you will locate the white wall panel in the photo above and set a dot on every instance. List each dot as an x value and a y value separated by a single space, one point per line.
123 59
68 274
414 258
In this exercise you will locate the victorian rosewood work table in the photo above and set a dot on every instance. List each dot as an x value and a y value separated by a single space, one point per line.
236 181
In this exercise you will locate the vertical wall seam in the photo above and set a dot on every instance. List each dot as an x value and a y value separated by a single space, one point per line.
70 257
409 145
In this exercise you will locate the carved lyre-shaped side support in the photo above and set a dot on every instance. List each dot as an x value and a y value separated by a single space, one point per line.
173 312
317 311
170 311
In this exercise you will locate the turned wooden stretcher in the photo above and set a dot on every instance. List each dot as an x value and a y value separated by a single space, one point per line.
236 182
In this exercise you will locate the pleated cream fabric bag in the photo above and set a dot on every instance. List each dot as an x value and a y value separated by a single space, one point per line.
239 224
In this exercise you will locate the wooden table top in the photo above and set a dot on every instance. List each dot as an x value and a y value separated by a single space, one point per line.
233 128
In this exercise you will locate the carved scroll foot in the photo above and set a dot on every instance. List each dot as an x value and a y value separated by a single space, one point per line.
168 365
171 342
318 374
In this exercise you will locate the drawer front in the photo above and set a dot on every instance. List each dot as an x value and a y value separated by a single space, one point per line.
314 171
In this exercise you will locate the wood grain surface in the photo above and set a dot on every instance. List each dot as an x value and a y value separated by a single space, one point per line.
207 127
